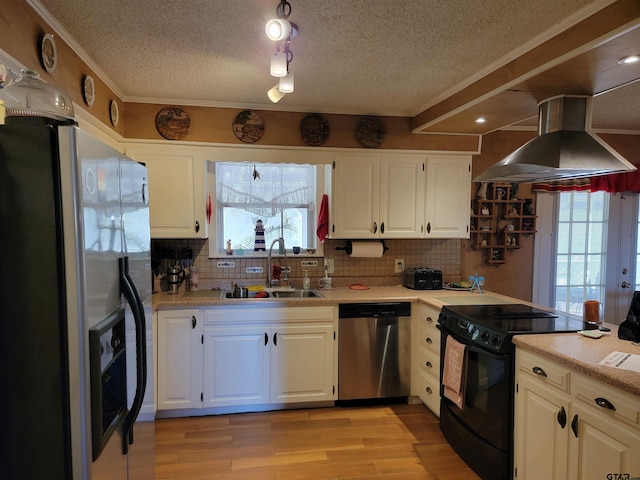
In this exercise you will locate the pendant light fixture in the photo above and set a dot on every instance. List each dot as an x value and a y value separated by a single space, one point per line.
281 31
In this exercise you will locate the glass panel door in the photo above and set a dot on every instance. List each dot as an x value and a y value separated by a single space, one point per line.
581 247
596 252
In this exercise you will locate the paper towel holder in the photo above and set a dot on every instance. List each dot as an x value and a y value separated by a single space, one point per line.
349 246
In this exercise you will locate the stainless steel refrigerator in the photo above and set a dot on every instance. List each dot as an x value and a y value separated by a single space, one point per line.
76 271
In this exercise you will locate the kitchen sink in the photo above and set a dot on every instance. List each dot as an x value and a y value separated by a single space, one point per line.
296 294
227 294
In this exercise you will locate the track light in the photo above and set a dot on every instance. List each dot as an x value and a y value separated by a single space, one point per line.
281 30
278 29
279 64
286 83
275 95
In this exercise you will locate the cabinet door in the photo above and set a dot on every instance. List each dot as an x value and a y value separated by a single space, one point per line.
600 446
355 205
448 194
302 363
541 426
179 359
177 190
402 186
236 365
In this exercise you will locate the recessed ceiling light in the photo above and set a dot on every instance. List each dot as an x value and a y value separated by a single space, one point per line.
481 120
629 59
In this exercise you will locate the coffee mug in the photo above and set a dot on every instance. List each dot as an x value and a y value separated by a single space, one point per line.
325 282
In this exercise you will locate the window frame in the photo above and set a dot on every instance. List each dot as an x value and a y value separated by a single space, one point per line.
217 248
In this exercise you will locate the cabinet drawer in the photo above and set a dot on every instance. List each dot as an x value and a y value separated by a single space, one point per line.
429 336
429 363
606 399
543 370
429 392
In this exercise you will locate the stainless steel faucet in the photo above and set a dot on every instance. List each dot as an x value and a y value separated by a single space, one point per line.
269 266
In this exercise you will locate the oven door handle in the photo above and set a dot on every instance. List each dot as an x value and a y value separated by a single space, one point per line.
471 348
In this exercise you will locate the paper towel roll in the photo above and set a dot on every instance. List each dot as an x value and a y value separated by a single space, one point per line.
365 249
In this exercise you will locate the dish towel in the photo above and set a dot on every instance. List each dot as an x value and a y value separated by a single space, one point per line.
454 372
322 229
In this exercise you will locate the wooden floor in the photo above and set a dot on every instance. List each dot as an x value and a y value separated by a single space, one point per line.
398 442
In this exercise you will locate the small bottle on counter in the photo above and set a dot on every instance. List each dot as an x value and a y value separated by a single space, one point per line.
306 282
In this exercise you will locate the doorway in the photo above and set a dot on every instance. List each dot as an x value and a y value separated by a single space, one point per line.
587 248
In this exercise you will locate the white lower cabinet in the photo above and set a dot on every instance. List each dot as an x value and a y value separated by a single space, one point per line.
425 359
179 359
302 363
569 426
247 356
237 366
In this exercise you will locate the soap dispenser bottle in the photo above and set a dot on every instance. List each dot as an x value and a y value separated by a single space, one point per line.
306 282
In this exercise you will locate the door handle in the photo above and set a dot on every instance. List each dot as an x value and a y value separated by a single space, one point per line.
539 371
574 425
266 339
375 227
382 227
604 403
275 338
197 226
562 417
625 285
193 322
429 227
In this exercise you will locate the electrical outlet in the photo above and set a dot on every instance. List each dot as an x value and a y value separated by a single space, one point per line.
399 265
328 262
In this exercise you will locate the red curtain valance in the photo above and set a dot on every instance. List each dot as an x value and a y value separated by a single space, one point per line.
612 183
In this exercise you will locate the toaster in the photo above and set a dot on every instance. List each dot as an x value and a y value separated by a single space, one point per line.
422 278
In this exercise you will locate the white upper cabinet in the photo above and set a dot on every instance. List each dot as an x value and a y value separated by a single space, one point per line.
177 189
356 197
401 196
378 197
448 196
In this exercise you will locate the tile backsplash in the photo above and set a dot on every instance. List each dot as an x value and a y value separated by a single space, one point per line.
441 254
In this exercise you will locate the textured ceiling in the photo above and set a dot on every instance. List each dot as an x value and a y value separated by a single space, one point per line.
384 57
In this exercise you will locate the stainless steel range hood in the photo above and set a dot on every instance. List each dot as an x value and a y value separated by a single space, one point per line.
563 148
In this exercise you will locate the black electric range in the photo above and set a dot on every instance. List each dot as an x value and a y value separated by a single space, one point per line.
492 326
481 431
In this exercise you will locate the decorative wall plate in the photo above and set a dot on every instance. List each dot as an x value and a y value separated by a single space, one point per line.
49 53
248 126
370 132
114 113
314 129
89 90
173 123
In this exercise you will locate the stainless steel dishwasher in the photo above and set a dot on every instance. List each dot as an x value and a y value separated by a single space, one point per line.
374 350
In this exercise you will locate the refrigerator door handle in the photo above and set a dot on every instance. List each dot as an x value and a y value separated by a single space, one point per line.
128 289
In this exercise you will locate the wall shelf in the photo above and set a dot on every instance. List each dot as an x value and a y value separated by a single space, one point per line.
499 222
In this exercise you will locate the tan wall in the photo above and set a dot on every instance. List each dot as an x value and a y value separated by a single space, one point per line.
515 277
210 124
